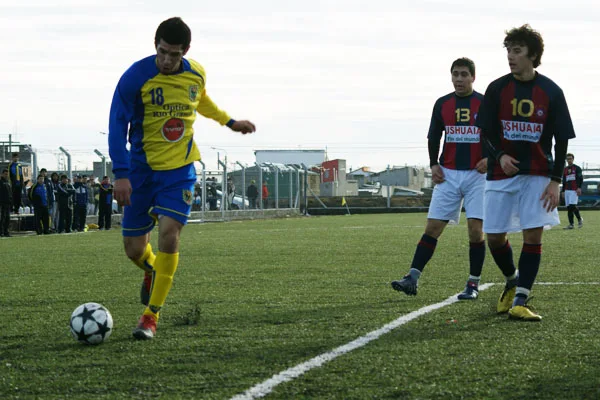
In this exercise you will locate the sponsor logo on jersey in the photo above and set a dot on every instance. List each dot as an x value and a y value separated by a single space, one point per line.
173 130
187 197
522 131
540 112
462 134
193 92
570 177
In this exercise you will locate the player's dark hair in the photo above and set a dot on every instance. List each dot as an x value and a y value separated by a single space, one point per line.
464 62
570 154
43 170
15 154
63 176
4 170
526 36
174 31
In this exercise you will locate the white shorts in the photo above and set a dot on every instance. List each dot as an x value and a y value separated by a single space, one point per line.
514 204
571 197
447 198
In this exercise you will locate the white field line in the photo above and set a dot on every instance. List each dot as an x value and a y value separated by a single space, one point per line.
264 388
565 283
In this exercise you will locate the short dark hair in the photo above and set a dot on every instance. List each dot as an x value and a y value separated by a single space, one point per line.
464 62
15 154
4 170
63 176
173 31
570 154
526 36
43 170
105 177
53 175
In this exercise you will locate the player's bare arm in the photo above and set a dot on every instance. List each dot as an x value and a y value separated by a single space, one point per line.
437 174
243 126
481 166
551 196
122 191
509 164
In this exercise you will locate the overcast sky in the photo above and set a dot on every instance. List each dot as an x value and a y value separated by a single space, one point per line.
358 78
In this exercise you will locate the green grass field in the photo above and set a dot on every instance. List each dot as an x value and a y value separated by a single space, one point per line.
252 299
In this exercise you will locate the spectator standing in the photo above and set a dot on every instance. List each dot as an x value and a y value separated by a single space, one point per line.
17 181
38 194
91 183
105 199
212 196
252 194
54 182
49 193
230 193
265 195
65 193
6 199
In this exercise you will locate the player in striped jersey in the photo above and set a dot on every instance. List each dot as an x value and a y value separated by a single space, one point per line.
458 175
522 113
571 190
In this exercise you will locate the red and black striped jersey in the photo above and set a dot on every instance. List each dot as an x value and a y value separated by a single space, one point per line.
572 177
526 117
455 116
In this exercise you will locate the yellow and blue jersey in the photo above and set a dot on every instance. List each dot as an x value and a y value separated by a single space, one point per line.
156 113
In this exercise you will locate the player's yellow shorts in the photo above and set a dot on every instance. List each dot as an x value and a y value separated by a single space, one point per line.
155 193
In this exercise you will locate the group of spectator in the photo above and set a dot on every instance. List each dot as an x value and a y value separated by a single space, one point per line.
59 206
252 194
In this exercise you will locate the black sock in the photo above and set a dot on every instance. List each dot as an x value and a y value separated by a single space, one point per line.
424 251
529 264
576 211
476 258
504 259
570 214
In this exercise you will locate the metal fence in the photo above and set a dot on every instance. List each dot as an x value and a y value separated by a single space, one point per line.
227 189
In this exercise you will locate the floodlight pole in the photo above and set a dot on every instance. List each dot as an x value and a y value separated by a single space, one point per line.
103 158
305 188
223 189
260 185
243 185
70 173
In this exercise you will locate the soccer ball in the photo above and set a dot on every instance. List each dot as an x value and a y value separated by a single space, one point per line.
91 323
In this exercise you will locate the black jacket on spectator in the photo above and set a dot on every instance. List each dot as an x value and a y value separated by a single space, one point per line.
5 192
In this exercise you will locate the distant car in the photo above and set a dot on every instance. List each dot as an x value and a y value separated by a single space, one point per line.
590 192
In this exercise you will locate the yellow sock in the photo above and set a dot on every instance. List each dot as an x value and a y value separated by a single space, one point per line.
165 266
147 260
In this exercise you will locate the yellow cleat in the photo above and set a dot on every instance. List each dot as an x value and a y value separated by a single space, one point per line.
523 313
506 299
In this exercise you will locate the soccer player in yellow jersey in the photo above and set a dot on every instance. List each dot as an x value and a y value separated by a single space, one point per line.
154 108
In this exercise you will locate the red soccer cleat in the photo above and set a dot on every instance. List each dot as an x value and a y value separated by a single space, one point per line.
146 328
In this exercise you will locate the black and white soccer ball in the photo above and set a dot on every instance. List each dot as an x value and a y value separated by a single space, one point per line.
91 323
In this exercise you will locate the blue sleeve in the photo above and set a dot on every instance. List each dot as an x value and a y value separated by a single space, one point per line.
121 114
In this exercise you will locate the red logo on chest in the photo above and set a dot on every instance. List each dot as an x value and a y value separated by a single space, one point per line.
173 130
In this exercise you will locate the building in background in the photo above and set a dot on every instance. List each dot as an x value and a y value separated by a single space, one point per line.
307 157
